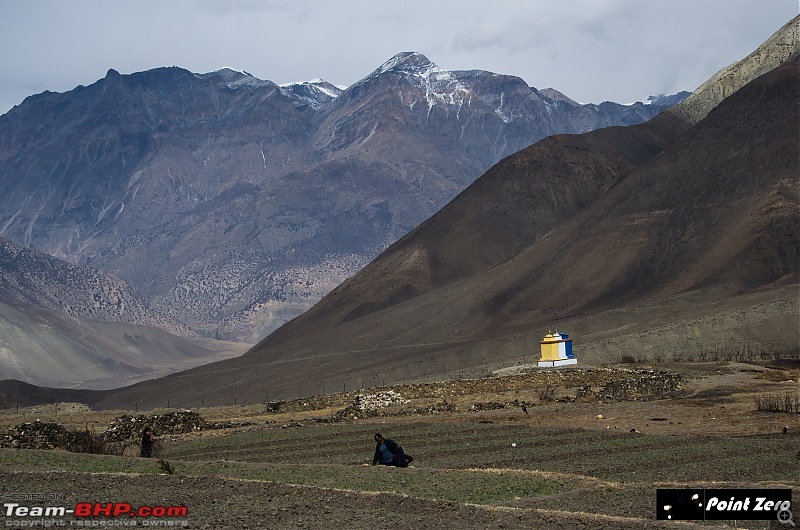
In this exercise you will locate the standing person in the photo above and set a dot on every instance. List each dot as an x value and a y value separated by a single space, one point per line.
147 443
388 453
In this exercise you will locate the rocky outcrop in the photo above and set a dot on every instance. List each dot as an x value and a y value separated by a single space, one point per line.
47 282
780 48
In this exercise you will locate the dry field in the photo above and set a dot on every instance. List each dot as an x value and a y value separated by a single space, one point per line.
560 463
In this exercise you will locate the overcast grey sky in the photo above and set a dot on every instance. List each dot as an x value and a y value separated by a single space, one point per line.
591 50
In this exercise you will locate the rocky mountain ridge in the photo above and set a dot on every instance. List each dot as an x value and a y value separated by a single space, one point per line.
782 46
47 282
232 204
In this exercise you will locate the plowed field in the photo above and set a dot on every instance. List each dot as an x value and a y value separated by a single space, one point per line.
558 465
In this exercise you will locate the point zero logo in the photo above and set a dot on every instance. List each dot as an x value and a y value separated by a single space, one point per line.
724 504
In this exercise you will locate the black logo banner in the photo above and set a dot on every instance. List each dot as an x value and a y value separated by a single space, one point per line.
696 504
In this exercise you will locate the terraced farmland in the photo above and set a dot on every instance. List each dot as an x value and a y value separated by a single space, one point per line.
555 465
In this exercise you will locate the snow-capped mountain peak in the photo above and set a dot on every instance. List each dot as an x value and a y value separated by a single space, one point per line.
440 86
405 62
315 93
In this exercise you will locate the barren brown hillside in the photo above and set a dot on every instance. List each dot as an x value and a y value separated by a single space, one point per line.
514 204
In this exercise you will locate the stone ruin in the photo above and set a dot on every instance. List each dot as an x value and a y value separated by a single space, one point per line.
127 427
641 383
593 384
612 385
36 435
366 405
123 430
378 400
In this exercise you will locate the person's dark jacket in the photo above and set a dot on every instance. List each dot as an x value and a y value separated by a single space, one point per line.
390 445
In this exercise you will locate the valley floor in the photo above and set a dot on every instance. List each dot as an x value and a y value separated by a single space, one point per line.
562 462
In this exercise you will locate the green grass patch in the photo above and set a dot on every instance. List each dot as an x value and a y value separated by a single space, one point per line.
461 486
41 460
453 462
613 456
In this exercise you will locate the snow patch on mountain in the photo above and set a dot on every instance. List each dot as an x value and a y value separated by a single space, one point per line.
440 86
317 84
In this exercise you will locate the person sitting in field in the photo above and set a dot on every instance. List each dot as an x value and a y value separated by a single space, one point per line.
388 453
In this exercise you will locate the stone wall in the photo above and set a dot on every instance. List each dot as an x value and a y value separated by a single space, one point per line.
123 430
574 384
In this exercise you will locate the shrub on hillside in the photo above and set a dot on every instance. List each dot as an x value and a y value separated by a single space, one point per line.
786 402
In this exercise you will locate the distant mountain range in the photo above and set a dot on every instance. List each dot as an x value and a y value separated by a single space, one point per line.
675 237
231 204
